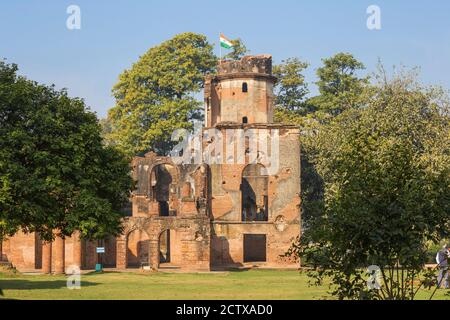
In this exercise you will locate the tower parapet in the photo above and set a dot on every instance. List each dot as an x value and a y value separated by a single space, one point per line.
260 64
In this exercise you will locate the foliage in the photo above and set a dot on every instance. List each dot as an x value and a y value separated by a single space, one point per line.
294 106
386 172
339 86
237 51
155 96
291 88
55 173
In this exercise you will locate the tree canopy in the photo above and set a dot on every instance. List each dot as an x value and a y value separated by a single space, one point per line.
339 85
55 173
156 95
291 89
375 175
295 106
238 50
386 172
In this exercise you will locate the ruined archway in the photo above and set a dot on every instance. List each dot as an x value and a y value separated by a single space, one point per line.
162 179
137 253
169 249
254 193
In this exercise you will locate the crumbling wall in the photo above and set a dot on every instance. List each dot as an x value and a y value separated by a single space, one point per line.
283 192
189 241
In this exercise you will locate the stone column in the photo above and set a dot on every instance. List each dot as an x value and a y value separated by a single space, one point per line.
46 257
77 249
153 255
121 254
58 256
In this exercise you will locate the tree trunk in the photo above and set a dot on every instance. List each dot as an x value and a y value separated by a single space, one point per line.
1 248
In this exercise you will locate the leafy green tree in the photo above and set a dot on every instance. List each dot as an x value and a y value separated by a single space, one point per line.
386 171
156 96
55 172
5 198
238 50
339 85
291 89
340 89
105 124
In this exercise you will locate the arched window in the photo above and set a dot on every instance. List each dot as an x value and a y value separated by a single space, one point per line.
161 180
254 193
244 87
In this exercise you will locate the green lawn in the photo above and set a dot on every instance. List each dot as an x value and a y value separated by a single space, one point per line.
254 284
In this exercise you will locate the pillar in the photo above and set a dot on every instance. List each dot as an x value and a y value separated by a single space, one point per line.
76 249
58 256
46 257
121 254
153 256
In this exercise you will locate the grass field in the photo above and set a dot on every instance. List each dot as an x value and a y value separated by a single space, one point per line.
253 284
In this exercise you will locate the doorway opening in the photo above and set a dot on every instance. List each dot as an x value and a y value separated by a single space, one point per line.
161 181
255 248
254 194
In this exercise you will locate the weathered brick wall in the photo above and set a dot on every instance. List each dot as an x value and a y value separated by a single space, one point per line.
25 252
189 241
225 97
137 248
255 105
20 251
227 243
261 64
283 224
202 204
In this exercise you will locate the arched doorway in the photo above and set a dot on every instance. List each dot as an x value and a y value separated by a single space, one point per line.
137 249
161 182
254 193
169 250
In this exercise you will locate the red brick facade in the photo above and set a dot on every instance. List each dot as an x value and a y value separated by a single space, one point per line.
201 216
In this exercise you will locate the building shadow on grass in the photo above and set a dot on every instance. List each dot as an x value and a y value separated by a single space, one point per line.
22 284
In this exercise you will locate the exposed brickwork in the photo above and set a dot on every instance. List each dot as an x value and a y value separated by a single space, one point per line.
46 257
196 217
239 97
58 254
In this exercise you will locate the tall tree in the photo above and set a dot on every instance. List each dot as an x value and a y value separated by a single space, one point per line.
291 88
339 85
55 172
386 170
156 96
238 50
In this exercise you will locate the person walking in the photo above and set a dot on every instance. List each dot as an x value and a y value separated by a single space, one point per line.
442 260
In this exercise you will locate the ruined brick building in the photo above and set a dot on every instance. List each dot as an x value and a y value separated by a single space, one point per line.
203 215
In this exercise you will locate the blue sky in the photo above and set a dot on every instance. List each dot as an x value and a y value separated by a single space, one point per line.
114 34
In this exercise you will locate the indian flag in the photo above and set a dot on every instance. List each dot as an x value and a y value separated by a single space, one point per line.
225 42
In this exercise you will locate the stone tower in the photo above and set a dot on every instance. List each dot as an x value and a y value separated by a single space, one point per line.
255 209
242 92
